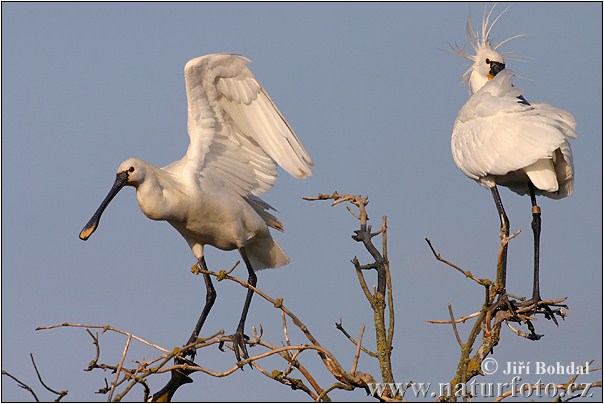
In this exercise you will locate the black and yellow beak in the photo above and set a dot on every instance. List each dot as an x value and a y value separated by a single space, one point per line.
495 68
121 179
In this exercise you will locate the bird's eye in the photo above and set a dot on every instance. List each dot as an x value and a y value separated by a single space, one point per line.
488 61
131 169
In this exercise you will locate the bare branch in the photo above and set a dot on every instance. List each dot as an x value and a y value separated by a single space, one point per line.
384 231
333 387
455 327
468 274
21 384
340 327
459 320
104 328
358 351
119 366
60 394
284 321
362 282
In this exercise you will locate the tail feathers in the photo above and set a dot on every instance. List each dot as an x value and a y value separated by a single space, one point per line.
261 207
543 175
266 253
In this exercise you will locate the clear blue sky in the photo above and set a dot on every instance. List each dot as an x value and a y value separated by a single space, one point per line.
373 98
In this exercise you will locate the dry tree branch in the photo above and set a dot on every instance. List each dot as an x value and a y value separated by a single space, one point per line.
139 374
144 370
468 274
331 363
298 366
284 321
357 354
119 366
276 350
459 320
491 316
340 327
382 294
381 298
390 300
21 384
467 367
334 386
104 328
60 394
454 324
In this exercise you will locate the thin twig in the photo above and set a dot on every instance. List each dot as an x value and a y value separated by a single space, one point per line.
454 324
362 282
185 366
334 386
358 351
119 366
340 327
294 384
284 321
104 328
21 384
468 274
459 320
95 342
390 300
292 362
297 365
61 393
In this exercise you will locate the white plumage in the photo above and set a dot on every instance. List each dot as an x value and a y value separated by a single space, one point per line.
500 138
237 136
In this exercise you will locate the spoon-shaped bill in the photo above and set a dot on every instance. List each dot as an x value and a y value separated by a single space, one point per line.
120 180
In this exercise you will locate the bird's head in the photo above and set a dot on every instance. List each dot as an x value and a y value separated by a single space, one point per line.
130 172
135 171
486 61
486 65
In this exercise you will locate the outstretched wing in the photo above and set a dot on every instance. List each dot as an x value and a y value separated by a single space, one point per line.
497 131
237 133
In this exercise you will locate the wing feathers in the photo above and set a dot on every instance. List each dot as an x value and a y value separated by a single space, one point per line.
237 133
263 122
496 134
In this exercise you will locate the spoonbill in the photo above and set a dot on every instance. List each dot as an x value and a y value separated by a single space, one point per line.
210 196
499 138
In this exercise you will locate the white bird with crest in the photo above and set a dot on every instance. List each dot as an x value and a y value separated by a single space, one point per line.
499 138
237 136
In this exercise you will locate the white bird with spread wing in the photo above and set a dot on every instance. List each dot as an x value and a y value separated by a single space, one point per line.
210 196
499 138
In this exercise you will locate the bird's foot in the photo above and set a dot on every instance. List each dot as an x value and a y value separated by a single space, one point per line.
191 352
503 303
239 340
536 305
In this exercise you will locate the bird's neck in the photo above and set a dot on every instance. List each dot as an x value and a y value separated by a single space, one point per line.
477 81
156 195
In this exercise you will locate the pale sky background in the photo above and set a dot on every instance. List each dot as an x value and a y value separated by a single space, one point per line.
373 97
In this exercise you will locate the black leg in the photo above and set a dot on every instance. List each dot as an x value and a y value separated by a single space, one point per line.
179 377
505 230
210 299
536 226
536 298
502 303
239 339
